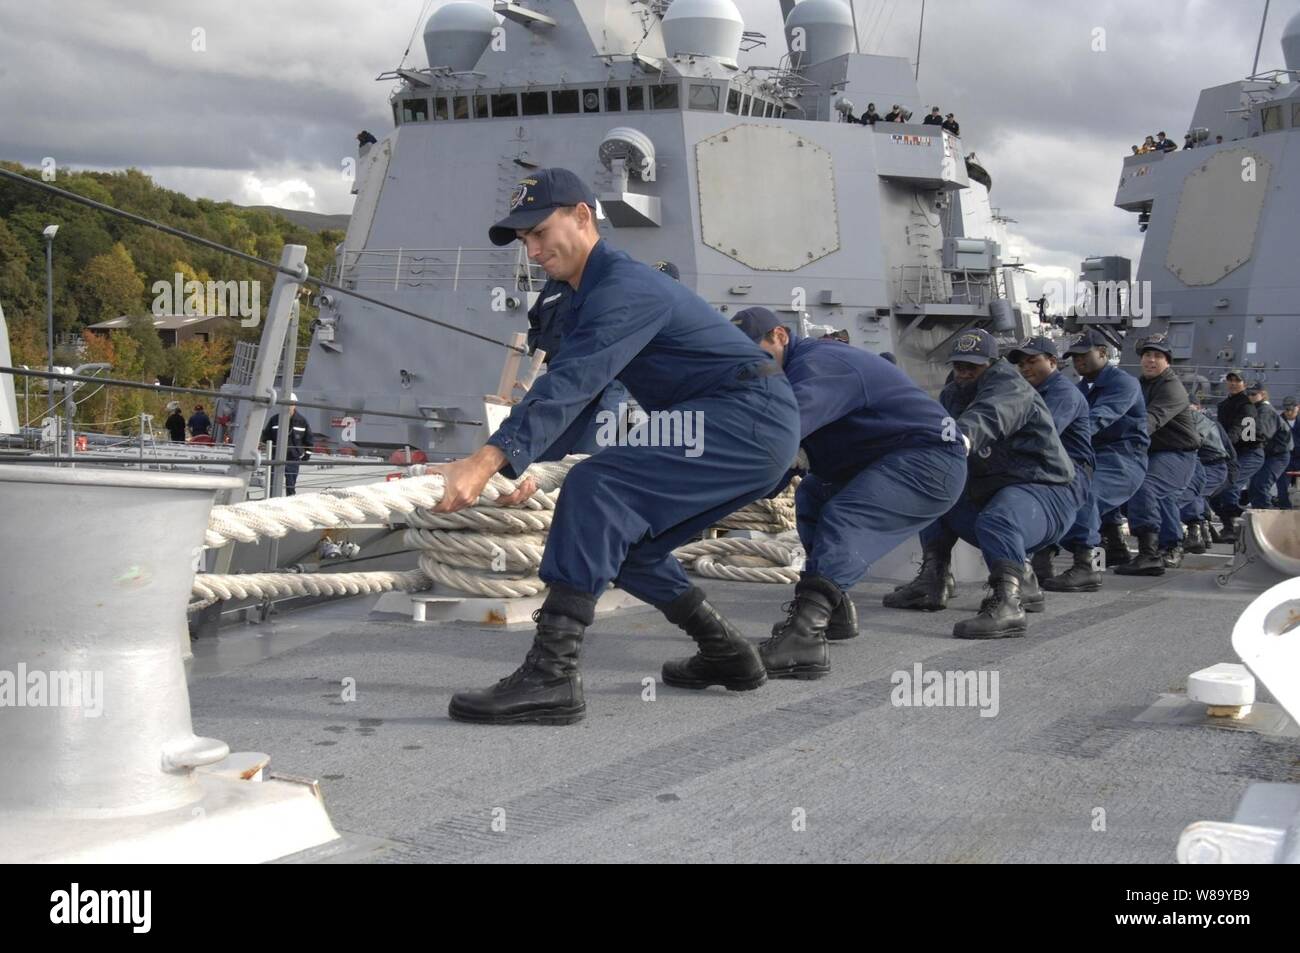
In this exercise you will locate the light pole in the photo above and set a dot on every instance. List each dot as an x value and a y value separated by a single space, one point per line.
49 233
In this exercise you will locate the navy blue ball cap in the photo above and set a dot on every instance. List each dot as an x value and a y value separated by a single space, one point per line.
1289 402
669 269
1035 345
974 347
1155 342
756 322
536 197
1085 342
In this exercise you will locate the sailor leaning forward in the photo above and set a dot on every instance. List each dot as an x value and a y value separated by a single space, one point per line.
623 511
1021 493
884 461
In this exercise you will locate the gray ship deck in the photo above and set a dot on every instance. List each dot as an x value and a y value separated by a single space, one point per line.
716 776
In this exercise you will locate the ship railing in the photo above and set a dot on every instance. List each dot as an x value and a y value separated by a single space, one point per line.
929 284
395 268
921 284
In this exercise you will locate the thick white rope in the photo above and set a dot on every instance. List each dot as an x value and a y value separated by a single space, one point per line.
212 587
369 503
484 550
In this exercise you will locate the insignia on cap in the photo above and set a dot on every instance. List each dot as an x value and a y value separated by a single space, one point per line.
968 342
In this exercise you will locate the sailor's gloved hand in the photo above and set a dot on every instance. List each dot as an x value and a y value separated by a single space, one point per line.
801 464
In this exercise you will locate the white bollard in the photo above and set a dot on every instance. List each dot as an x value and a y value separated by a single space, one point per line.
98 750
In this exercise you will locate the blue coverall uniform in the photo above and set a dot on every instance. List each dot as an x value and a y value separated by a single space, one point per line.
1275 439
1020 490
1073 420
1119 443
884 458
546 325
1241 419
623 511
1210 473
1293 465
1170 462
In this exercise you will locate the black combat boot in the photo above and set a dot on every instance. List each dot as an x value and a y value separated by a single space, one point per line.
725 657
1205 526
1149 561
1001 615
931 588
1042 563
1080 577
547 688
1229 532
797 649
844 621
1112 538
1193 541
1172 556
1031 596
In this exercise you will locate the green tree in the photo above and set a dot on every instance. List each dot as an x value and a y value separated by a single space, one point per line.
110 286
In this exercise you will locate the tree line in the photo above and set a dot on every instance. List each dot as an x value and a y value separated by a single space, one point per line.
105 267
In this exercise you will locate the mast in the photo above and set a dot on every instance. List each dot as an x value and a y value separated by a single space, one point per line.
1255 66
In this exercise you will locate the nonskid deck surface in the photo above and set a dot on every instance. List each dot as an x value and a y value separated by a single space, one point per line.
828 770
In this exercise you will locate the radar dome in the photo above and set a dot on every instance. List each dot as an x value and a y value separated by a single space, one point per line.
1291 42
706 27
819 30
457 34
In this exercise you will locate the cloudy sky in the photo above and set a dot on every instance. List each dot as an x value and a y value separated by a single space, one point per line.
267 109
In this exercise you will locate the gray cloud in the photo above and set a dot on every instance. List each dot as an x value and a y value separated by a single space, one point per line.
281 89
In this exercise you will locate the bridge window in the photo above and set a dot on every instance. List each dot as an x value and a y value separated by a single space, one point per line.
397 114
744 105
505 104
480 107
415 110
1272 116
440 108
591 100
704 97
733 101
564 101
536 104
1295 115
613 102
635 98
460 107
664 97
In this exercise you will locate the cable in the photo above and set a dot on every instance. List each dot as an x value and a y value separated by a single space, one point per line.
411 42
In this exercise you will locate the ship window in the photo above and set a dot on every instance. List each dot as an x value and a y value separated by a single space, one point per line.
1272 116
635 98
564 101
460 107
733 101
440 110
591 100
704 96
613 102
663 97
769 111
1295 116
536 104
744 105
415 110
397 115
505 104
480 107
